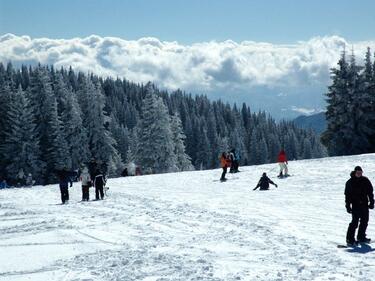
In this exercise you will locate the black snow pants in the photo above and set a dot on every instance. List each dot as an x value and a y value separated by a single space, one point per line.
85 193
360 214
99 190
224 173
64 194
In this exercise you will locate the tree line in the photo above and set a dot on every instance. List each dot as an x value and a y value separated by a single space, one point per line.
61 119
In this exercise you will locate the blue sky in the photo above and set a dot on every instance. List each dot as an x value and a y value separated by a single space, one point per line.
190 21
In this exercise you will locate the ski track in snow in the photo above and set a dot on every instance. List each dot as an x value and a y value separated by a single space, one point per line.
186 226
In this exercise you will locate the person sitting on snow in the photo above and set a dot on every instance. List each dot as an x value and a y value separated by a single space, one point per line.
3 184
264 183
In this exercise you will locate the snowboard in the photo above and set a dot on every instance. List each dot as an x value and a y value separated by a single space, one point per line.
283 177
220 180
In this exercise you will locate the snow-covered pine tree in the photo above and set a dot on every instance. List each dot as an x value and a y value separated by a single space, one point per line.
336 115
155 148
5 125
183 160
21 148
53 145
354 132
74 131
366 110
121 136
101 144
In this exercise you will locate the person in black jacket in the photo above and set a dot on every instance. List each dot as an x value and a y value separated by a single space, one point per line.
99 183
264 183
359 198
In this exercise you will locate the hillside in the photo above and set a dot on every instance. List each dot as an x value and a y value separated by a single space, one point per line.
317 122
189 226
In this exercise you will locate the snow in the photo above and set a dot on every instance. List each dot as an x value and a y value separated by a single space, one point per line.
189 226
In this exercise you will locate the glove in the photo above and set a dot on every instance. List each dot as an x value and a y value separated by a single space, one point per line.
348 208
371 206
276 185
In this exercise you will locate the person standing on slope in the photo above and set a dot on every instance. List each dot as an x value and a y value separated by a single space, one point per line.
359 198
86 184
225 163
99 183
65 177
264 183
283 163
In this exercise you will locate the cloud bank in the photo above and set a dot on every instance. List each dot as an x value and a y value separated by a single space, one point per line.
250 68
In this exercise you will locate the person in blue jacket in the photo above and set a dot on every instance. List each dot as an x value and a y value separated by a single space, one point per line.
65 179
3 184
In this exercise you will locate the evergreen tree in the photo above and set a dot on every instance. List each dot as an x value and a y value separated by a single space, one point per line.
101 144
178 138
21 146
155 148
336 115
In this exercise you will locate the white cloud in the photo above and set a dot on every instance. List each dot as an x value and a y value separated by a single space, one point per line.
206 66
306 111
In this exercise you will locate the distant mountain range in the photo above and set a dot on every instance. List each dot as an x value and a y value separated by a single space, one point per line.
317 122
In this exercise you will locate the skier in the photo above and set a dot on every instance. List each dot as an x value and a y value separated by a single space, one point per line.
86 184
264 183
225 163
359 198
99 183
283 163
64 179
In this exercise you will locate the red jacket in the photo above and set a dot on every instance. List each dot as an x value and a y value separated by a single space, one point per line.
225 162
282 157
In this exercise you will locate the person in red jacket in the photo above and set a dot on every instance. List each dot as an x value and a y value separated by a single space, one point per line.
225 163
283 163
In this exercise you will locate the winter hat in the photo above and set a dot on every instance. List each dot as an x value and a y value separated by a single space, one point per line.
264 174
358 168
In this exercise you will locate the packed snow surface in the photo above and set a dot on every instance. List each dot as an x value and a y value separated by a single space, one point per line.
190 226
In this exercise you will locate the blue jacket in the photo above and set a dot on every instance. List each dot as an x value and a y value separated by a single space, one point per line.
3 184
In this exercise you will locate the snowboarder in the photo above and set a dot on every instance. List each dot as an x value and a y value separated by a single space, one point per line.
92 169
86 184
359 198
225 163
283 163
29 180
99 183
264 183
231 158
65 177
236 160
20 178
125 173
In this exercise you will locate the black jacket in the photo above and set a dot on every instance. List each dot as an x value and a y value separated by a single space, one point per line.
359 191
264 183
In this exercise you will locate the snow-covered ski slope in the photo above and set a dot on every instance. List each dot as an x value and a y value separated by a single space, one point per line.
189 226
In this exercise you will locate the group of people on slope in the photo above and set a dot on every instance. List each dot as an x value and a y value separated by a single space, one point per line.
230 160
93 175
22 180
